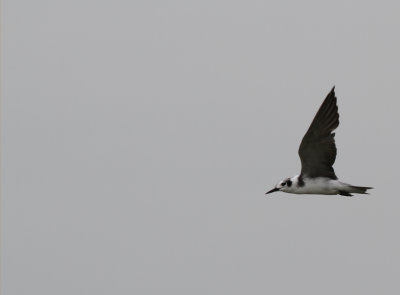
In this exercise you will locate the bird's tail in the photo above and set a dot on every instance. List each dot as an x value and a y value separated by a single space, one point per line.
359 189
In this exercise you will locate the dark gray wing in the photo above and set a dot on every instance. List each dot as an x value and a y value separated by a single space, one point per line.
317 150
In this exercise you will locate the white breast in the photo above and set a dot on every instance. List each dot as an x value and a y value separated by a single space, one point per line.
320 186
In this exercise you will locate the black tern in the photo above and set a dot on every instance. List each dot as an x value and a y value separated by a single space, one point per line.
317 153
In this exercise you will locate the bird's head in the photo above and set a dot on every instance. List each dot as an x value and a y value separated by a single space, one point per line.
283 185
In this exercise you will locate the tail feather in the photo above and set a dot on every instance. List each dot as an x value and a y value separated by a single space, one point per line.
359 189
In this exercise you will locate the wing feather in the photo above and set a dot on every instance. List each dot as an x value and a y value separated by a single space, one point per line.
317 150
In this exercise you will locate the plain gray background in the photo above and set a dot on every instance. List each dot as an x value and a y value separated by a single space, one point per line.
139 138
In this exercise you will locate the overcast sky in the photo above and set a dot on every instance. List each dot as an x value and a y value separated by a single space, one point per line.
138 139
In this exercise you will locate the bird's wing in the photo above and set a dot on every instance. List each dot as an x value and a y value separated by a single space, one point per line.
317 150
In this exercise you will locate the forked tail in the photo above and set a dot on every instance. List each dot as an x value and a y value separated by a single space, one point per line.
349 189
359 189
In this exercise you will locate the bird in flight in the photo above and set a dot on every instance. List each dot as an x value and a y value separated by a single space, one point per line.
317 153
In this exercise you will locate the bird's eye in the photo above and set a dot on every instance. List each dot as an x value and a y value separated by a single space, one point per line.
283 183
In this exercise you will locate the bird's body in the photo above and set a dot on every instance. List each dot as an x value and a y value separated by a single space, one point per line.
317 186
317 153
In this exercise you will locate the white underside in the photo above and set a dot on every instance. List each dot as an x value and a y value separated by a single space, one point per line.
320 186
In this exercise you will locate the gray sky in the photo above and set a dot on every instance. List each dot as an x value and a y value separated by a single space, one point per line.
139 138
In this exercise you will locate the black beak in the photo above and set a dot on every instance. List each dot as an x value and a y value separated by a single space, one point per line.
273 190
